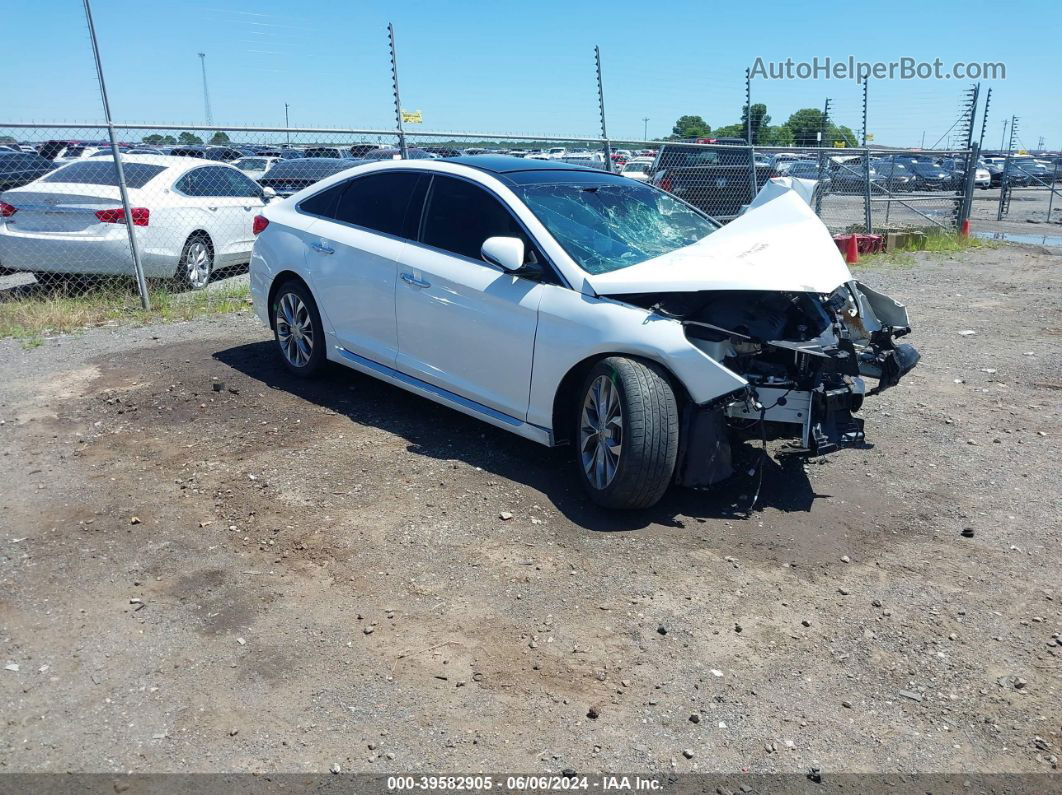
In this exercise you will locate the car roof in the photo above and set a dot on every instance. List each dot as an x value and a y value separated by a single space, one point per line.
504 164
170 161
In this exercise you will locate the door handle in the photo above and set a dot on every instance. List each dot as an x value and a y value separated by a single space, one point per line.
322 248
410 279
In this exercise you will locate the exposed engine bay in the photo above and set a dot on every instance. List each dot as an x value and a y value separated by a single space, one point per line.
804 356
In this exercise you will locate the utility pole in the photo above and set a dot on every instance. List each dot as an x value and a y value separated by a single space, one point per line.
748 106
825 121
287 124
206 92
1003 141
645 128
864 112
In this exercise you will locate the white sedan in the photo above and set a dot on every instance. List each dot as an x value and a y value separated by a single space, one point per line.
190 216
255 167
568 304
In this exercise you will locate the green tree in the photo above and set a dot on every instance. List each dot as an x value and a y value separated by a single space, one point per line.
219 138
760 119
154 139
730 131
776 135
188 139
842 133
805 126
690 127
6 139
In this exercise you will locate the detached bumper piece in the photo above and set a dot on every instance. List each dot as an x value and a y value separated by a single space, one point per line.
887 361
704 452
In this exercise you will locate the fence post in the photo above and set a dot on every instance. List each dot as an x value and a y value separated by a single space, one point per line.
821 174
138 268
868 220
972 154
394 83
1051 198
753 182
601 109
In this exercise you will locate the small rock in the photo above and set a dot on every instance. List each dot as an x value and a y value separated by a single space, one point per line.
233 732
218 386
593 713
369 629
911 695
967 332
241 641
687 753
661 629
505 516
134 520
335 768
845 559
13 667
1019 683
805 623
843 591
846 704
695 718
737 627
967 532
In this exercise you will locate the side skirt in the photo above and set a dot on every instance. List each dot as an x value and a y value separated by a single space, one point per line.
449 399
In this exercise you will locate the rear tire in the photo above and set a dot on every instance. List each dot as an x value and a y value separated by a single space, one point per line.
196 265
627 433
297 329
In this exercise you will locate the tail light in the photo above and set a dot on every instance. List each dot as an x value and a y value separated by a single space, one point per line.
665 184
6 210
141 216
259 224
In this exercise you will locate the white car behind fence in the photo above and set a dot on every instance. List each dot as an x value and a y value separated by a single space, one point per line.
190 216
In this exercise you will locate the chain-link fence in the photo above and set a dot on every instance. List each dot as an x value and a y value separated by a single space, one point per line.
193 194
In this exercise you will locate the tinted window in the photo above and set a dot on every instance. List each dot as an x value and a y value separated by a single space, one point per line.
460 216
323 203
217 181
378 201
99 172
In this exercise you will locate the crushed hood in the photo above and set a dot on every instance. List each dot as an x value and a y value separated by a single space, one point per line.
777 244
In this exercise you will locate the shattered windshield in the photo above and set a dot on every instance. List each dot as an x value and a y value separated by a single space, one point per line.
605 227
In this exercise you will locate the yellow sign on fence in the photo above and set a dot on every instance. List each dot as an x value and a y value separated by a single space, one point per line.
412 117
838 144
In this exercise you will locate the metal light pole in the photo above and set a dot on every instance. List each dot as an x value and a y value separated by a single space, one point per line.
394 84
138 268
287 124
601 108
206 92
1003 140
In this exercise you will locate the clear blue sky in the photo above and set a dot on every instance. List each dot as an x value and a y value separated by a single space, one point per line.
527 67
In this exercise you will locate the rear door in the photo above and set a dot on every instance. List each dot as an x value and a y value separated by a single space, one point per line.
463 324
223 201
352 256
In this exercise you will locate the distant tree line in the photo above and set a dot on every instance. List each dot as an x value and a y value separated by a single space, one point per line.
186 139
801 129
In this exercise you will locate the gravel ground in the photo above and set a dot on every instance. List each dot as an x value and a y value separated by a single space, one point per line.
205 565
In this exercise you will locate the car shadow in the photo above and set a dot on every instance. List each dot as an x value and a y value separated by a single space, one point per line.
438 432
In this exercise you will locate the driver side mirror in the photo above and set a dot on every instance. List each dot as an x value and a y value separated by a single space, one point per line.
505 252
268 194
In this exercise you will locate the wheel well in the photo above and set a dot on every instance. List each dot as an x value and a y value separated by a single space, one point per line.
568 392
278 281
203 234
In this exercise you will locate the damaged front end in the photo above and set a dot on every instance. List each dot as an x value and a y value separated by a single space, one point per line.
803 355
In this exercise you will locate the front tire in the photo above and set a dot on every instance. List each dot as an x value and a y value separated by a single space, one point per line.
627 433
297 329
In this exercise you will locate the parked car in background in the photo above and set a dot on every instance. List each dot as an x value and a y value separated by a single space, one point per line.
190 216
19 168
255 167
290 176
396 154
638 168
809 169
717 180
220 153
571 305
1035 172
929 176
893 175
334 152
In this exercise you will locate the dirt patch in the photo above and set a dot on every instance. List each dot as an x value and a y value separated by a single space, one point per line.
206 564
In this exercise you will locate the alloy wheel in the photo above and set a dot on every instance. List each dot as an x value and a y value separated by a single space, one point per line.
294 330
197 264
601 432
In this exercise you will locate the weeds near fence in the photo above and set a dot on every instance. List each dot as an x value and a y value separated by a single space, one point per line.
935 242
39 313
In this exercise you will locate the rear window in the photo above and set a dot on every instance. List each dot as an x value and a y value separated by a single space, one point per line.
137 175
